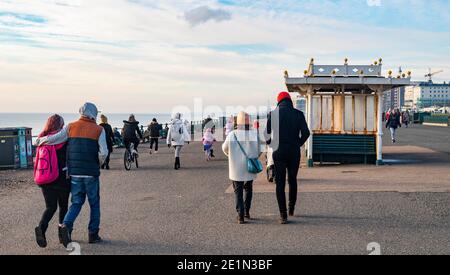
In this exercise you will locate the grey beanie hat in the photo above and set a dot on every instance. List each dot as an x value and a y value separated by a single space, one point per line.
89 110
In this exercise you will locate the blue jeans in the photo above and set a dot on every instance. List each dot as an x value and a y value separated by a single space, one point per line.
393 132
82 187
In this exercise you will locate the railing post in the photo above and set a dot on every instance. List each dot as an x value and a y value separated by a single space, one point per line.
380 128
310 121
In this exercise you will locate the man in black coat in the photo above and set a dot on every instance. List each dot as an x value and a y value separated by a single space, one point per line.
286 133
154 128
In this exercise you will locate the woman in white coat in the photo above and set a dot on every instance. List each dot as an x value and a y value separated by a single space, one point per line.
177 136
238 171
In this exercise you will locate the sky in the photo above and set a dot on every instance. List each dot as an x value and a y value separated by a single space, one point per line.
147 56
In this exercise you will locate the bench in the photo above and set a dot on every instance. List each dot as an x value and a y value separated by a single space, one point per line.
346 149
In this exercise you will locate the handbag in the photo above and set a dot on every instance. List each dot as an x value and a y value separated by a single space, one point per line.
254 166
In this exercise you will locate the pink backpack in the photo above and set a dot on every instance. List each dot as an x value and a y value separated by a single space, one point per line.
46 168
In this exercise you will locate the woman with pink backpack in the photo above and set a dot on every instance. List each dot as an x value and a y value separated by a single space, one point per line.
50 176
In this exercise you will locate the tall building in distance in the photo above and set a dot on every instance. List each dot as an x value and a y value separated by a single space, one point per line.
427 94
300 104
394 99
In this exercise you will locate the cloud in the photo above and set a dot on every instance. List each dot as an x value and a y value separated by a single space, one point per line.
113 52
204 14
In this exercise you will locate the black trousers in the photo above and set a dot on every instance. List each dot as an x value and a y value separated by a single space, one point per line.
127 142
287 162
108 158
154 140
53 199
243 206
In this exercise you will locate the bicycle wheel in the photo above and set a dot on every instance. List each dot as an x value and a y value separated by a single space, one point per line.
126 161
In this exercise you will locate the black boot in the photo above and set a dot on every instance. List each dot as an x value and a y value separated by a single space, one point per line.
94 238
241 219
40 237
212 153
283 218
247 215
65 236
176 164
60 235
291 211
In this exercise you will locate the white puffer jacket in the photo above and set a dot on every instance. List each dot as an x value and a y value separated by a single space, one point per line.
178 139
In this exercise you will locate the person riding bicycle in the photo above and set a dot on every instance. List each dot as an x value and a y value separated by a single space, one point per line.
131 133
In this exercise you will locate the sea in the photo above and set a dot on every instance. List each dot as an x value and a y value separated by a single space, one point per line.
37 121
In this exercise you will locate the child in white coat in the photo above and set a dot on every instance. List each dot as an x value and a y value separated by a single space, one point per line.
208 142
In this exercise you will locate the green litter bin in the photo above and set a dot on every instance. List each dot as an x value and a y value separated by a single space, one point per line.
16 150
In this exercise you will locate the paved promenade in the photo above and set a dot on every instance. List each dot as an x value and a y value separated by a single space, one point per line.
404 206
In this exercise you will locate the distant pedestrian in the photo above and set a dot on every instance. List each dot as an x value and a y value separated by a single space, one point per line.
118 140
406 118
393 124
240 146
388 114
256 124
86 151
177 136
56 193
166 130
109 135
154 128
209 123
229 127
288 131
188 127
208 142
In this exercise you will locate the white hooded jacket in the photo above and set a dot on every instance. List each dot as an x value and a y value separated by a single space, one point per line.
178 139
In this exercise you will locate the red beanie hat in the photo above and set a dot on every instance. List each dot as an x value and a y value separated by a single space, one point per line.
282 96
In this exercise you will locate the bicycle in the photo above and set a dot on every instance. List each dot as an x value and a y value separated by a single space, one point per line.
130 157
